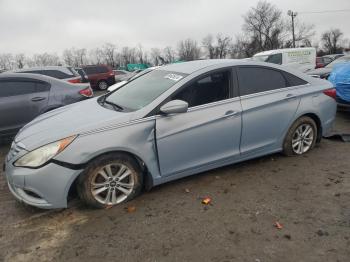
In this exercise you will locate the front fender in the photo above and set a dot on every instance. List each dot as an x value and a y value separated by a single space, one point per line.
136 138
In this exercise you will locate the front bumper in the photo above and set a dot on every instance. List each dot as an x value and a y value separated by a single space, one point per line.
45 187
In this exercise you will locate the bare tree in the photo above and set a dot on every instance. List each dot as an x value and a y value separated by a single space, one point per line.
208 44
169 54
44 59
6 61
265 26
331 41
223 45
20 60
68 57
108 51
155 56
188 50
303 33
128 56
75 57
96 56
244 46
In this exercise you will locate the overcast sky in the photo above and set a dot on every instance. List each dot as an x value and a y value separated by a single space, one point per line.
33 26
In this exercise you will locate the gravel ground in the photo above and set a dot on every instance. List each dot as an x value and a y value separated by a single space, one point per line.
309 196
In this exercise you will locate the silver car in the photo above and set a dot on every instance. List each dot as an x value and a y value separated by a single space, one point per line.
176 121
25 96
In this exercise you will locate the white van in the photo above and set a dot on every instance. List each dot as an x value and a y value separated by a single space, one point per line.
302 59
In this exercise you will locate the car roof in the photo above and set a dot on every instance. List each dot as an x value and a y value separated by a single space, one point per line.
30 75
42 68
193 66
84 66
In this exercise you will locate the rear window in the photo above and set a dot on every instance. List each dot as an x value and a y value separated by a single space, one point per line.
294 80
73 71
96 70
259 79
102 69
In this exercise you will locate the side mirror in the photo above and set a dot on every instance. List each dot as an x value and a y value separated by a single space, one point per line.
174 107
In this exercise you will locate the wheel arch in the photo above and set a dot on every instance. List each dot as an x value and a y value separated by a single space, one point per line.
317 120
148 179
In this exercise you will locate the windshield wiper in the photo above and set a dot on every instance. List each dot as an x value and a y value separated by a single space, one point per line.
103 100
117 107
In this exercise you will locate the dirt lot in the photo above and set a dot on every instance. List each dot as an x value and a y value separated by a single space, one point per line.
308 195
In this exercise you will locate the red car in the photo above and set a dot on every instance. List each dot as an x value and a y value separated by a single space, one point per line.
321 62
100 76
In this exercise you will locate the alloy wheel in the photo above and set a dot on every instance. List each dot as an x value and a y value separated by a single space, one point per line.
303 138
112 184
102 85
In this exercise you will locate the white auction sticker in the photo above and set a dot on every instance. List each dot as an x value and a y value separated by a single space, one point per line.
173 77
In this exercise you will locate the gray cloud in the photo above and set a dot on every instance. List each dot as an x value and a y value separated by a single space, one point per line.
53 25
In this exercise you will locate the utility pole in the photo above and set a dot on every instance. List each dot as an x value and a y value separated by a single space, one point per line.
293 15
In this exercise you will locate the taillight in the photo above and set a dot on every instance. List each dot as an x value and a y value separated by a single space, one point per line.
112 73
75 80
331 93
87 92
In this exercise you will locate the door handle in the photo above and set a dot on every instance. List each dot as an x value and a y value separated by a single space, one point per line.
231 113
36 99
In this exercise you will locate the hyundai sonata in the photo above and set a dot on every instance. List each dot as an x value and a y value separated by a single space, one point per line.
175 121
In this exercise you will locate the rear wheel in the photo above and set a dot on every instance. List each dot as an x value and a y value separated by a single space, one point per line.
110 180
102 85
301 137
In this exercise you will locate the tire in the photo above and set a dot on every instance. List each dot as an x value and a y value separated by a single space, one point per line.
301 137
102 85
104 183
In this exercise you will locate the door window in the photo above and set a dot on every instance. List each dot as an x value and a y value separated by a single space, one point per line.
19 87
259 79
208 89
90 70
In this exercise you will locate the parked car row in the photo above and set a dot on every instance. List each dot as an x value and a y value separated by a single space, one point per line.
327 59
99 76
326 71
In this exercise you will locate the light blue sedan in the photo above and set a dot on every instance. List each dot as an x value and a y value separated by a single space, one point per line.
175 121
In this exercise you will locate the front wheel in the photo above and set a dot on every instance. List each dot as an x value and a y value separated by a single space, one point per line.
110 180
301 137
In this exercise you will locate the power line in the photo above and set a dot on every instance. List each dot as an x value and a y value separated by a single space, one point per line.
325 11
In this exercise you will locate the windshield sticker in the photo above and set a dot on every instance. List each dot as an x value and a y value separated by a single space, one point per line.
173 77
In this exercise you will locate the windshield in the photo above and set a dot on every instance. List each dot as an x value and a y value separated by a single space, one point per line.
343 59
274 59
143 90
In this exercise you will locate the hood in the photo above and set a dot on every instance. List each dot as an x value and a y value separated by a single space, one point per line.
67 121
319 71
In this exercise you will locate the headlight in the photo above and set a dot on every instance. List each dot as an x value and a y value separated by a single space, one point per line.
43 154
